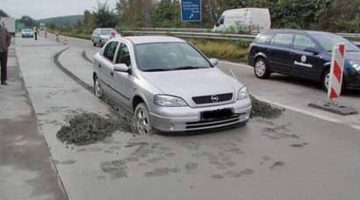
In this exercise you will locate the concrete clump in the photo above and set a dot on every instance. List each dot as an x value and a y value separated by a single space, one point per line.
264 110
87 128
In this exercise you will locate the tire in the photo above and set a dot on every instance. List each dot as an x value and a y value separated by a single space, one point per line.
261 69
325 80
142 120
98 91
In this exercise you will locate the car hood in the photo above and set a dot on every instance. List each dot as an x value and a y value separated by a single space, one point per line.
190 83
353 56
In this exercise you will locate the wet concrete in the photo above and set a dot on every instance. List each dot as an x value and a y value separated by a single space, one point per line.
26 169
257 161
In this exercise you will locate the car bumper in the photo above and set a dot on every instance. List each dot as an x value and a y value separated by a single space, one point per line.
169 119
353 82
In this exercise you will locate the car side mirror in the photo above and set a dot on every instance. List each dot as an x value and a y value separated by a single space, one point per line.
214 62
312 50
121 68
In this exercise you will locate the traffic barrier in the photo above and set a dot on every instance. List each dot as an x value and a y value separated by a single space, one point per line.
336 71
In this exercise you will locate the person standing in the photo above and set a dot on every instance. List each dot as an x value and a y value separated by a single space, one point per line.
35 32
5 39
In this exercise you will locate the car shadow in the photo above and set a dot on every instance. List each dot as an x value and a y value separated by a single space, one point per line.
221 130
309 84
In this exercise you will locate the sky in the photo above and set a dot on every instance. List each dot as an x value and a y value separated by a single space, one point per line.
40 9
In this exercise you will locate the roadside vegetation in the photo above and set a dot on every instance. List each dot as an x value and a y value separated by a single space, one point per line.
225 50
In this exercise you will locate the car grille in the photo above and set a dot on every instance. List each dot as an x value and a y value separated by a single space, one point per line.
212 123
213 98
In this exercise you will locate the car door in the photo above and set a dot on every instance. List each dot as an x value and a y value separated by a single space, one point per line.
306 62
279 53
106 65
124 81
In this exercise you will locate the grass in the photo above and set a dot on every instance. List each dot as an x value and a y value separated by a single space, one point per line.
224 50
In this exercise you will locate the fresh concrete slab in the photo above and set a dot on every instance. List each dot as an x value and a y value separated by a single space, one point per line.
293 157
26 169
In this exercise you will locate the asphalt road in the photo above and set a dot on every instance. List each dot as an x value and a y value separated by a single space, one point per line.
290 93
296 156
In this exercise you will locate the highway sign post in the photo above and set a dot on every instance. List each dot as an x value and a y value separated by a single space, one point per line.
191 11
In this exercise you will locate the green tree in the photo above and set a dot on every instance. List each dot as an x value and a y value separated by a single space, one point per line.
104 16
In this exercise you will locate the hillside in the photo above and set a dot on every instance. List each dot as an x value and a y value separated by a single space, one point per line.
64 20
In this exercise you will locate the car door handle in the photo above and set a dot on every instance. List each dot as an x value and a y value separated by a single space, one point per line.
112 73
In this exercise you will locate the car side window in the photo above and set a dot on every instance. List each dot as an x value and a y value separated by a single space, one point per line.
264 38
123 55
302 42
282 40
221 20
109 51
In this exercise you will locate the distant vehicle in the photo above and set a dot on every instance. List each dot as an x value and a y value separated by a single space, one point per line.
244 20
304 54
42 26
10 24
169 85
27 33
101 35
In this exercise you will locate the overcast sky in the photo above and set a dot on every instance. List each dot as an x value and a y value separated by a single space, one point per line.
39 9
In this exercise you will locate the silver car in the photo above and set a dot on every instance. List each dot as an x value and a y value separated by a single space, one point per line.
168 85
101 35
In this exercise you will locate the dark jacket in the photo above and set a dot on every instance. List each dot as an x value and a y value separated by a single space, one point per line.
5 39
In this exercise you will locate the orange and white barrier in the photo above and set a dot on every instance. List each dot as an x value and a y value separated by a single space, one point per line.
336 71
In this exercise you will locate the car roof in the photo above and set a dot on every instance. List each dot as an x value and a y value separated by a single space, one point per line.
293 31
152 39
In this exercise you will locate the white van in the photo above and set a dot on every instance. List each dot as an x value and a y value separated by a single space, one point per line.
244 20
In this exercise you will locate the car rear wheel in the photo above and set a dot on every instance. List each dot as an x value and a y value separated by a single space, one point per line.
261 69
142 120
98 91
326 80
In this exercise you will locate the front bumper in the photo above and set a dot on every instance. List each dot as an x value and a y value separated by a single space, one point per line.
353 81
180 119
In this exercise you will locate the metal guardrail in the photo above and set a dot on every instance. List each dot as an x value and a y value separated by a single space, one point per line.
176 29
200 35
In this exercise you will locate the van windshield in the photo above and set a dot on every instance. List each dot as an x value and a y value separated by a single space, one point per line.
169 56
328 40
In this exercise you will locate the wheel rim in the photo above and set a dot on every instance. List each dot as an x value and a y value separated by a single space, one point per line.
98 91
260 68
142 121
327 81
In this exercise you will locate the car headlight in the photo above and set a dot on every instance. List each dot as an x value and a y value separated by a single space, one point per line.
356 66
169 101
243 93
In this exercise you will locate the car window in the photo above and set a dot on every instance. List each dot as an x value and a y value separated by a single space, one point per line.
169 56
221 20
109 50
123 55
282 40
302 42
264 38
328 40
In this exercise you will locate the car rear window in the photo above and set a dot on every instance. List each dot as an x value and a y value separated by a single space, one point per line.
264 38
282 40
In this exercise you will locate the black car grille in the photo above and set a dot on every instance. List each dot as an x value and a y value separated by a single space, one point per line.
213 98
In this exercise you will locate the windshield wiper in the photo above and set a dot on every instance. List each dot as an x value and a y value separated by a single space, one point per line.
156 70
186 68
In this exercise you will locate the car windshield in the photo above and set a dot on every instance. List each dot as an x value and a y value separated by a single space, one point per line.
169 56
328 40
27 30
106 31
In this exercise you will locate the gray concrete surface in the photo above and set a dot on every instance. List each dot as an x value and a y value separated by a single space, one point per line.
26 170
293 157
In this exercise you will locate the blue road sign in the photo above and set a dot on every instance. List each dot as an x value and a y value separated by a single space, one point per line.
191 10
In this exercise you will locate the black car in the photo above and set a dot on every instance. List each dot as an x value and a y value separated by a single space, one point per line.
304 54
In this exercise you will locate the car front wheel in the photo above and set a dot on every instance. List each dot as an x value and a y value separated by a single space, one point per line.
261 69
142 120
